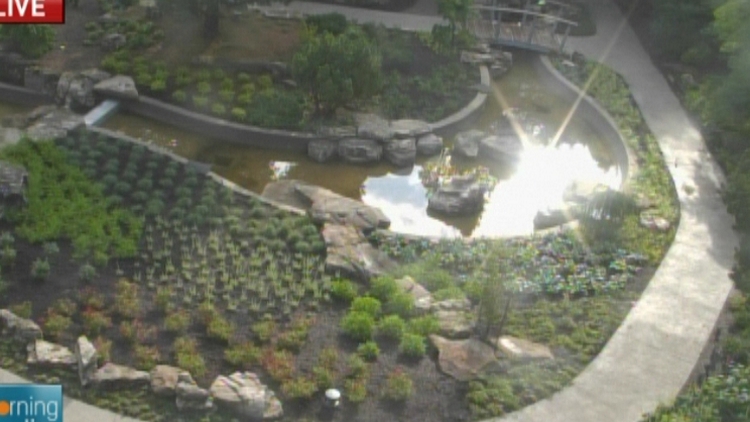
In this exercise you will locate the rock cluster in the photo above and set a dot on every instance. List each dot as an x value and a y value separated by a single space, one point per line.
398 142
506 146
499 62
242 393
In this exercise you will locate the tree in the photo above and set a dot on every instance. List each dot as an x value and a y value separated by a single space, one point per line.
30 40
497 293
337 69
676 25
456 12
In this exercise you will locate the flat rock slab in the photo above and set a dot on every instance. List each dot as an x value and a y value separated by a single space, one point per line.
463 360
401 152
19 329
329 207
349 253
370 126
44 353
164 380
422 297
521 349
120 86
321 150
56 124
115 376
430 144
467 143
359 151
409 128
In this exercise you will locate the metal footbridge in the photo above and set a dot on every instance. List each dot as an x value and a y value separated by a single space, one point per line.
534 26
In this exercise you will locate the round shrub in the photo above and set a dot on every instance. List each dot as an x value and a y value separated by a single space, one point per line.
243 78
244 99
399 386
200 101
343 290
227 84
218 109
383 288
180 96
412 346
87 272
239 113
40 269
368 350
226 95
424 325
392 327
158 85
358 325
401 304
367 305
204 88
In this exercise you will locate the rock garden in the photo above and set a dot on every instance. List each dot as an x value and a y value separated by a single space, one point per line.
148 285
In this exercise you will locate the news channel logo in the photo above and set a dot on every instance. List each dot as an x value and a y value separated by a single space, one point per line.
31 403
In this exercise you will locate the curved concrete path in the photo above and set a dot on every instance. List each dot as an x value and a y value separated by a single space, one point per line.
652 355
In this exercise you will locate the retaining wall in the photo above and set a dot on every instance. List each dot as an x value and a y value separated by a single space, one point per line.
22 96
588 110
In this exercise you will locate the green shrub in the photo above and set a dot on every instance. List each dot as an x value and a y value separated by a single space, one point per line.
392 327
324 377
239 113
244 100
356 366
265 83
412 346
8 258
188 357
94 322
40 269
180 96
243 355
398 387
218 109
54 325
7 240
200 101
300 388
127 304
264 330
204 88
355 390
158 85
103 349
65 306
358 325
491 398
177 321
22 310
333 23
452 292
219 74
243 78
368 350
86 273
401 304
383 288
146 357
423 326
279 364
367 305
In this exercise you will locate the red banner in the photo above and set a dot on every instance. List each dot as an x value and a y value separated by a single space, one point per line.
32 11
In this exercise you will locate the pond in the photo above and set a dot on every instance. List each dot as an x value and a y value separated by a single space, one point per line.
537 182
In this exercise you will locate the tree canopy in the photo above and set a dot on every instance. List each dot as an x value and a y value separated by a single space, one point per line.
337 69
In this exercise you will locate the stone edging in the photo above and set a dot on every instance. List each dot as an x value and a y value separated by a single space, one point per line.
275 138
218 179
594 114
22 96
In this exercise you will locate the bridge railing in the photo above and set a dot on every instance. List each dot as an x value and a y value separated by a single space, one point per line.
525 12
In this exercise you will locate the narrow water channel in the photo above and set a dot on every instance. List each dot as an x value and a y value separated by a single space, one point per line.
537 182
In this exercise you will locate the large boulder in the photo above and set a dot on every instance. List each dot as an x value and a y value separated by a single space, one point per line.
463 360
409 128
506 148
55 124
358 151
113 376
422 297
41 80
112 42
189 396
401 152
76 89
467 143
321 150
518 348
429 145
461 195
455 317
21 330
246 396
164 380
373 127
44 353
86 358
120 86
327 206
349 253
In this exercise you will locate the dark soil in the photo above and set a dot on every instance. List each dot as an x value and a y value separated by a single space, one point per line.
436 396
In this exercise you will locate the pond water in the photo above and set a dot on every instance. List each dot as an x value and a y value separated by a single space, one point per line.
537 182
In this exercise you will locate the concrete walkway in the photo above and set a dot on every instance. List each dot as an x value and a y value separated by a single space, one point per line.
73 410
654 352
652 355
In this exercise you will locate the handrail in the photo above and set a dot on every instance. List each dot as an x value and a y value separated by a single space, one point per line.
525 12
